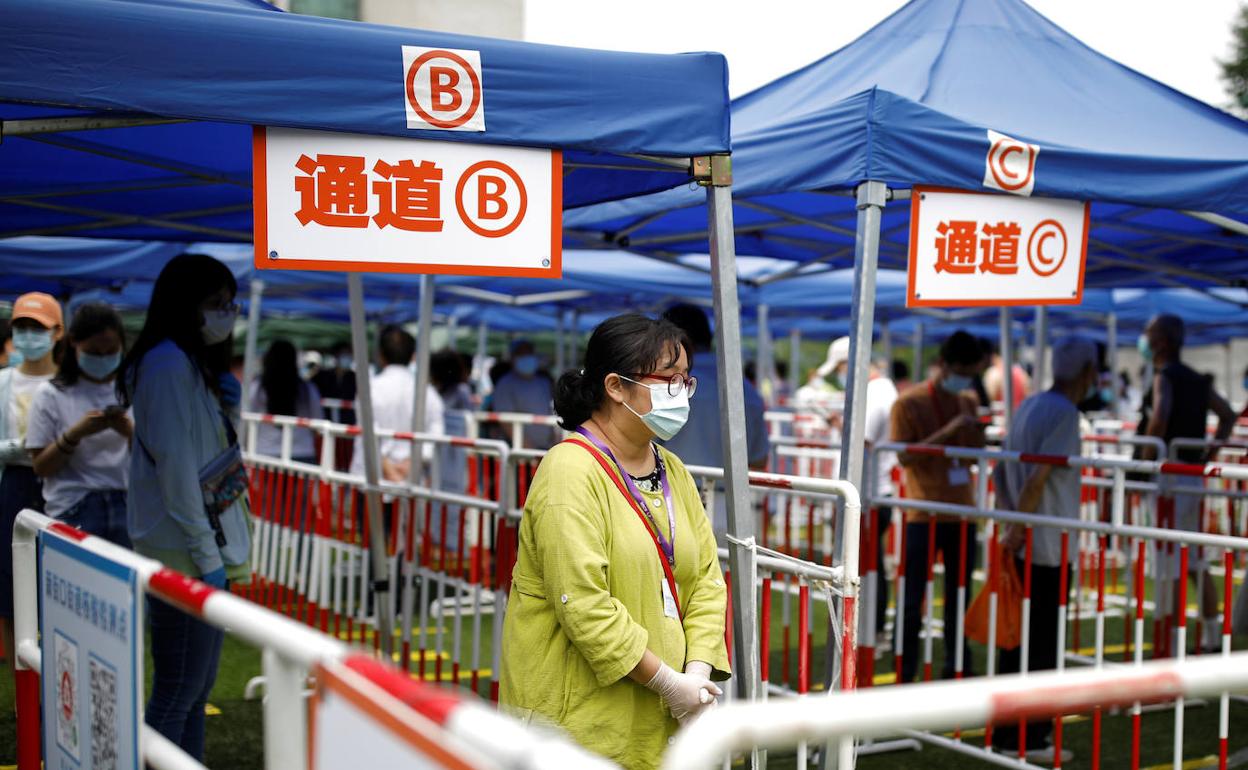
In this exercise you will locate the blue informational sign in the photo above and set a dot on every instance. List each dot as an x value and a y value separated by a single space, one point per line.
92 641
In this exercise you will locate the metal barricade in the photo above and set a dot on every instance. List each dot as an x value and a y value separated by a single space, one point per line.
1102 586
949 706
291 652
310 550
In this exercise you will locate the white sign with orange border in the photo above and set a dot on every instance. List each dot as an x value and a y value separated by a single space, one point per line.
364 203
986 249
355 723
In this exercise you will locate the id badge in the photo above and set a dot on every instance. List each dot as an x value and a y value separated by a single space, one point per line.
669 602
959 476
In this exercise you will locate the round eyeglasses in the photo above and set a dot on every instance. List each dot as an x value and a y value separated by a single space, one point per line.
675 383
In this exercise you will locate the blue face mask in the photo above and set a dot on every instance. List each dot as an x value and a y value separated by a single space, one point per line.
1146 350
99 368
668 413
33 344
526 366
1107 395
956 383
16 359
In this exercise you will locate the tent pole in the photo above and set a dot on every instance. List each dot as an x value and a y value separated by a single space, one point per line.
372 465
478 361
795 360
1111 357
761 353
250 360
1007 367
424 336
872 197
1230 374
741 558
1040 375
917 375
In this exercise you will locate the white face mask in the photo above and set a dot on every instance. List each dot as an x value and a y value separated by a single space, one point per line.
668 413
218 325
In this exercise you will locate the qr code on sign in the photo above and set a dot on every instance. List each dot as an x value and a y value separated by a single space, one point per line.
103 715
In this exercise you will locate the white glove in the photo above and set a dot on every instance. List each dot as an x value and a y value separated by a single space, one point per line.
685 694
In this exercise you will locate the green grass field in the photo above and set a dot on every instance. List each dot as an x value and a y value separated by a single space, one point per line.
235 725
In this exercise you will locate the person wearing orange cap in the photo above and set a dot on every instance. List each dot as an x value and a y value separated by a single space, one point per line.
37 327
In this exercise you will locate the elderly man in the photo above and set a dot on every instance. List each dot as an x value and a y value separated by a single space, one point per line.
1046 423
1181 400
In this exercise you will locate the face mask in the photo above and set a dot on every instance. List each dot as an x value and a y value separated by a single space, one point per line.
16 359
1146 350
1107 395
956 383
218 325
32 344
838 379
99 367
668 413
526 366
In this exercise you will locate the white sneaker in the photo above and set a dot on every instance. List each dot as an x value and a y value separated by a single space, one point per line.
1046 755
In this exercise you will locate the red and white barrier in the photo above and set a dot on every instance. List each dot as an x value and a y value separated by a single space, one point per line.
291 651
949 705
1100 549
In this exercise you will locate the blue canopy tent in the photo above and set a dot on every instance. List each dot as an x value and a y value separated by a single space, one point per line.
127 119
822 151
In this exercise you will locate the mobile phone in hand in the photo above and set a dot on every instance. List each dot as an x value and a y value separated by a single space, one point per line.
112 411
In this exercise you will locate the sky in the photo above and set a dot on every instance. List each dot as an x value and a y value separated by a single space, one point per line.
1176 43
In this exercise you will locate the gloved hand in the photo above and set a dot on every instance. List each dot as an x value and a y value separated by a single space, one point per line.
215 578
708 701
685 694
231 390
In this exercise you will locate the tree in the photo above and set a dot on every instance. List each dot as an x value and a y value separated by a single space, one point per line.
1235 69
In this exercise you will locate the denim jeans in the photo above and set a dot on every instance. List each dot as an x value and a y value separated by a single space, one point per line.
101 513
185 653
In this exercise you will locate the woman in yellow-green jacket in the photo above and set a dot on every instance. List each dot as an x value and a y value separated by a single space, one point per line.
615 622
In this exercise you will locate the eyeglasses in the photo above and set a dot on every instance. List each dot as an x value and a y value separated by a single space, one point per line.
675 383
229 307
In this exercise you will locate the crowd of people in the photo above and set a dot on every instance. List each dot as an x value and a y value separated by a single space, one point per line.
136 441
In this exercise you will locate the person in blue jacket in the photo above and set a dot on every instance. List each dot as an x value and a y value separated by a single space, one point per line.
187 505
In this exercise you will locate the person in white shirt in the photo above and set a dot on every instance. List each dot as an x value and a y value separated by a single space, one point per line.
37 327
701 441
1046 423
881 394
79 433
527 390
393 390
280 390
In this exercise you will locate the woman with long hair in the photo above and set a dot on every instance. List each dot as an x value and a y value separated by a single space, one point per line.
187 502
280 390
615 621
79 434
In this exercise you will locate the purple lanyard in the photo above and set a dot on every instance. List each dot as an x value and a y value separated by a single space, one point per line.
668 546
